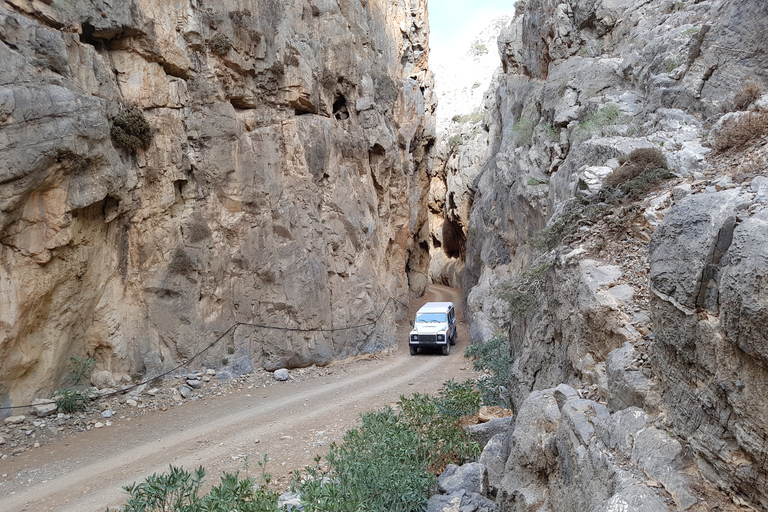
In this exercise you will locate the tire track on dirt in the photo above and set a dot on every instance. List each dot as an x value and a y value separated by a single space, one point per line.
127 454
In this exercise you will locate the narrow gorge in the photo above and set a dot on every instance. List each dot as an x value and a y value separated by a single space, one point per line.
601 199
282 186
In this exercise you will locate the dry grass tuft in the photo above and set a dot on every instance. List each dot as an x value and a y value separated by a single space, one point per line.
749 126
747 95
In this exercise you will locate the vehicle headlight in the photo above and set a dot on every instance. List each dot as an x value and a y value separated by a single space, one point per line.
441 337
414 337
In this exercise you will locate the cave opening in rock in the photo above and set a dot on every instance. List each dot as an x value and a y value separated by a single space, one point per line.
340 107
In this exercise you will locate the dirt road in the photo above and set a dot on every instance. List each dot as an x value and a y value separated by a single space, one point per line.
292 422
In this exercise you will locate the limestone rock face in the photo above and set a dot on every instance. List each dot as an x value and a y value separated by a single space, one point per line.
281 187
709 316
564 457
563 270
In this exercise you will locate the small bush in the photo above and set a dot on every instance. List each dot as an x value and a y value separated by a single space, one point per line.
639 172
455 141
69 400
476 85
180 491
596 121
458 400
534 182
481 49
640 185
747 95
220 44
637 162
749 126
493 357
230 350
389 463
80 368
131 130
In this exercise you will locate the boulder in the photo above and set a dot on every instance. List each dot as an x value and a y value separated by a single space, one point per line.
103 379
483 432
470 477
43 407
281 375
460 501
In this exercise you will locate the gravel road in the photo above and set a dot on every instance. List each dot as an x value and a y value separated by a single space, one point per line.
291 422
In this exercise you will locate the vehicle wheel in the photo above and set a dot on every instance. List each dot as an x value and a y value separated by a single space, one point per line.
447 349
413 350
453 339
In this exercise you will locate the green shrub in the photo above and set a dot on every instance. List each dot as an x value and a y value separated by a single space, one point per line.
80 368
494 358
220 44
457 400
69 400
481 49
455 141
533 182
596 121
390 461
131 130
180 491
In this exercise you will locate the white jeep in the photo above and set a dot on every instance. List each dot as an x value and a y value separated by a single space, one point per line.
435 326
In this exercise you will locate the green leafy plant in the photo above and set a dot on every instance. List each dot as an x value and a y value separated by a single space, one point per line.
481 49
390 461
455 141
220 44
596 122
178 490
533 182
492 357
230 350
456 400
131 129
80 368
70 400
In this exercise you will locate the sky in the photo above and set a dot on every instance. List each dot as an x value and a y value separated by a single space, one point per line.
453 22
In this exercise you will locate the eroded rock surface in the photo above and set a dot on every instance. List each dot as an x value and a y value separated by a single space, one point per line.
640 301
282 186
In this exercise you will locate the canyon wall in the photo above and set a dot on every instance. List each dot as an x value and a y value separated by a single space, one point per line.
284 183
632 316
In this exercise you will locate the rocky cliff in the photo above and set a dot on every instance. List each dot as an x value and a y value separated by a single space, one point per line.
617 237
276 177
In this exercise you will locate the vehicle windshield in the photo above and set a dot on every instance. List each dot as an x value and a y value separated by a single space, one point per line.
431 318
